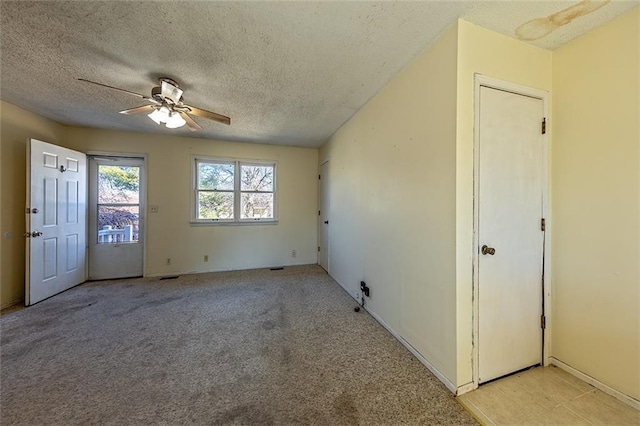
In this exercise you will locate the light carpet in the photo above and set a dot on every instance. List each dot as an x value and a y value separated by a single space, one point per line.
251 347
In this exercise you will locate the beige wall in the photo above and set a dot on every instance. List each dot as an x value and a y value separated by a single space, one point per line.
392 197
494 55
401 177
596 193
16 126
169 234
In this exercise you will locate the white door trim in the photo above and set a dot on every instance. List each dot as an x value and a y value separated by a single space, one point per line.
485 81
143 200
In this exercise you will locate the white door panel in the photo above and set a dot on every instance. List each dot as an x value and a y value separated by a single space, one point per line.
323 217
56 220
509 213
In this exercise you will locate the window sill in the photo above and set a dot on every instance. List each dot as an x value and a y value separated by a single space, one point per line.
234 223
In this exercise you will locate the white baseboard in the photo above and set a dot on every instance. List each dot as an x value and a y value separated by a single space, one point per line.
207 271
453 388
596 383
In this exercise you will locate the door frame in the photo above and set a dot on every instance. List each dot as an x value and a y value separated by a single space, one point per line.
494 83
144 209
322 163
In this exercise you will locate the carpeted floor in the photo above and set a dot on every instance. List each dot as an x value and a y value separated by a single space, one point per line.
249 347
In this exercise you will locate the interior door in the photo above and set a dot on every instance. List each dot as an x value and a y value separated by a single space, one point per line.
510 237
116 217
323 217
55 219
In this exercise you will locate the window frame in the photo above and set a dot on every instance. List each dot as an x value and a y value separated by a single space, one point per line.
237 192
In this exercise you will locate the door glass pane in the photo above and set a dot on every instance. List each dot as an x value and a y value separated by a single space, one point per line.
118 224
118 184
215 205
256 205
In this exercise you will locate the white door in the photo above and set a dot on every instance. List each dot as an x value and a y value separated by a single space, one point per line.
323 217
510 209
116 217
56 220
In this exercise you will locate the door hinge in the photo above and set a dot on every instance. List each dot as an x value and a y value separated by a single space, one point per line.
318 212
319 177
318 248
543 225
543 322
544 126
28 210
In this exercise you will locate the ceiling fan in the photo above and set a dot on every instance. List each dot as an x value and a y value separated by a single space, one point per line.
167 106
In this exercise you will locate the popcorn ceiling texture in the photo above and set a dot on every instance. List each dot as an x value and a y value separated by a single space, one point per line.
248 347
285 72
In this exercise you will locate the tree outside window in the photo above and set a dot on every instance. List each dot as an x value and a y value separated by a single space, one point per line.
234 191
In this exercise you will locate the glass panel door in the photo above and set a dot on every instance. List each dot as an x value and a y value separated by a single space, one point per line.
116 217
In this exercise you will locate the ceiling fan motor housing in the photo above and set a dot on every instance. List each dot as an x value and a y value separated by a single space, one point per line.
156 93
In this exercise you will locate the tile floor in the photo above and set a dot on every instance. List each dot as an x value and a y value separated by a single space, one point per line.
546 396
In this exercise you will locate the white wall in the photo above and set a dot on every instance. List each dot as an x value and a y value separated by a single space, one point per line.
485 52
596 197
16 126
392 197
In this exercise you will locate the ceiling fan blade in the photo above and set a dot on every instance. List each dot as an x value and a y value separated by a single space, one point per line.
208 114
193 126
148 98
139 110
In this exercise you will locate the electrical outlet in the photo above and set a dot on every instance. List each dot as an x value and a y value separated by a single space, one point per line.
206 257
168 261
356 295
153 208
365 289
293 253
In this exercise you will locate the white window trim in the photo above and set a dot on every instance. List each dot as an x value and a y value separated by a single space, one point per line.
238 163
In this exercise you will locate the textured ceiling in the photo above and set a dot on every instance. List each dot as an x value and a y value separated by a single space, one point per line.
285 72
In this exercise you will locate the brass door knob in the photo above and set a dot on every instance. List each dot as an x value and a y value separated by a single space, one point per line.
488 250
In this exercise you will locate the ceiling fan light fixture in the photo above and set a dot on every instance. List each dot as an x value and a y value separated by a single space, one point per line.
156 116
160 115
175 120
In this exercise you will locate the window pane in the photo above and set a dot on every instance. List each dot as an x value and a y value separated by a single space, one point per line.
215 176
257 178
118 184
255 205
215 205
118 224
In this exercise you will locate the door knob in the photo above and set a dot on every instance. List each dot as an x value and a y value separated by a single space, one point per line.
36 234
488 250
326 222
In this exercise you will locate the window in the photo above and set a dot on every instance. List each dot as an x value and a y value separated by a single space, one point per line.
118 204
234 191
